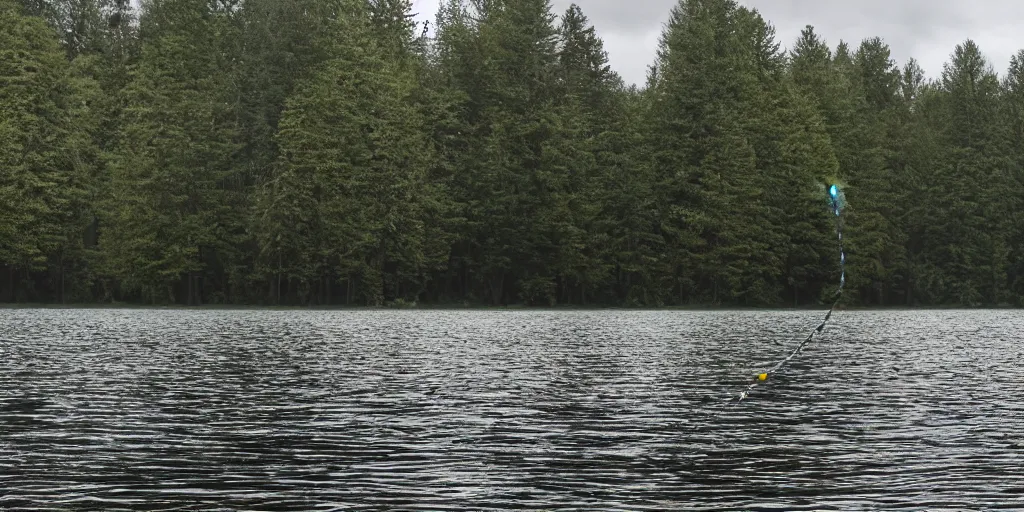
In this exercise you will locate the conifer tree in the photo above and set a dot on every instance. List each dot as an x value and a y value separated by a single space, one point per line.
707 159
1013 200
334 152
876 244
352 201
45 162
969 236
174 213
514 187
586 89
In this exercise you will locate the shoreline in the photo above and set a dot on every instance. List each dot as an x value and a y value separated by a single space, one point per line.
516 308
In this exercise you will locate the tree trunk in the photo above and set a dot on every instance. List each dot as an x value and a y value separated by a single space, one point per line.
62 300
497 289
910 285
279 267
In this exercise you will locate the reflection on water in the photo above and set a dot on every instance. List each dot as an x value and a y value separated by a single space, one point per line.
228 410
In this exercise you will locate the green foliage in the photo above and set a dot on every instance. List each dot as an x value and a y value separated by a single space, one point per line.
173 209
334 152
46 157
352 200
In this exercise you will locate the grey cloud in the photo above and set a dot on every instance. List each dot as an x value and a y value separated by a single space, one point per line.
927 30
629 28
621 15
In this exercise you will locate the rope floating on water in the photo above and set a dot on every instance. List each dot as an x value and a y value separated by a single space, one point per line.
836 201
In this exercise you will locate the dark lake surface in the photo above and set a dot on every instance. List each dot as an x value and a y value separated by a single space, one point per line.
485 410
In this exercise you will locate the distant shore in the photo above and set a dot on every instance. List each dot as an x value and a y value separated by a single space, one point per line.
456 307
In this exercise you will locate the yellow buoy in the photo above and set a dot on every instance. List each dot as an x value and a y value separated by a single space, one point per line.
763 376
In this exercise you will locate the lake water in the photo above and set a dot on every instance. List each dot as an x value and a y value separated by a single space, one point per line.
486 410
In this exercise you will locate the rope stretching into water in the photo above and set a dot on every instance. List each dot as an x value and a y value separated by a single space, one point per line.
836 200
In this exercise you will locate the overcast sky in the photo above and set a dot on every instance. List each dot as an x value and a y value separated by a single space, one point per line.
927 30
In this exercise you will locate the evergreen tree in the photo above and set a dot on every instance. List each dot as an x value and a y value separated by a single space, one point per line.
586 106
626 226
333 152
353 201
876 244
513 184
915 153
175 214
44 166
968 235
1013 200
717 73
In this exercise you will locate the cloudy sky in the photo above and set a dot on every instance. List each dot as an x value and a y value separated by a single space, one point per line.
927 30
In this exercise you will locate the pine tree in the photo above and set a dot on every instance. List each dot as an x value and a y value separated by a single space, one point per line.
1013 116
806 166
330 151
968 238
44 167
587 91
174 212
913 155
353 201
282 43
512 180
875 243
820 75
718 69
625 226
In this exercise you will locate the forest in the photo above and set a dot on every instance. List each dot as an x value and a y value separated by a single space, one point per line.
336 153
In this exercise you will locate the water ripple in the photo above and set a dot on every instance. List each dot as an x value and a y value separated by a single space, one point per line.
402 410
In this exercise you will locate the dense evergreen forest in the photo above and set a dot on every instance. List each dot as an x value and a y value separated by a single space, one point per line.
332 152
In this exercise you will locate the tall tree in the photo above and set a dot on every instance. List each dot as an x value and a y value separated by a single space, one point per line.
1013 87
718 70
968 237
514 187
44 167
333 151
876 244
175 213
353 201
590 97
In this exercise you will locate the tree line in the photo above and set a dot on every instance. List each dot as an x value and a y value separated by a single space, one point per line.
333 152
